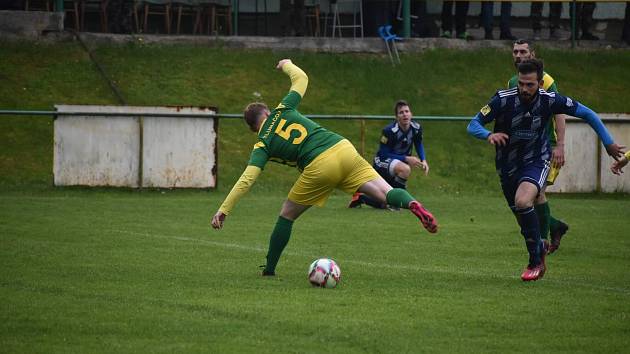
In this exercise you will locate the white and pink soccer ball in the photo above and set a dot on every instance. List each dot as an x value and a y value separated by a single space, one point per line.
324 273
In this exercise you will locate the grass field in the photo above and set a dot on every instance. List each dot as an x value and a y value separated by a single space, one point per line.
106 271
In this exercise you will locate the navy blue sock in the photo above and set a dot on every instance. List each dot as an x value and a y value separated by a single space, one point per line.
530 229
371 202
397 182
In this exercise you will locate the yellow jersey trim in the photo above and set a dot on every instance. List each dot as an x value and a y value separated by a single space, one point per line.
547 81
299 79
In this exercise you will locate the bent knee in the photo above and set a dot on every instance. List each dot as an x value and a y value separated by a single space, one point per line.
402 170
523 203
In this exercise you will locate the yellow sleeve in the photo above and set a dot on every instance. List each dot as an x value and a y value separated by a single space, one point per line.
242 186
627 155
299 80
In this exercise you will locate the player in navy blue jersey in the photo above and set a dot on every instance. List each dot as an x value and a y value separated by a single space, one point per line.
523 152
394 161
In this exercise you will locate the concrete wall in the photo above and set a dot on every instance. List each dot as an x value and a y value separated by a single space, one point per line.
30 23
179 152
587 167
610 182
96 151
113 151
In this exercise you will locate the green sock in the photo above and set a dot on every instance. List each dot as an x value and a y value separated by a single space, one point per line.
400 198
553 223
279 239
542 210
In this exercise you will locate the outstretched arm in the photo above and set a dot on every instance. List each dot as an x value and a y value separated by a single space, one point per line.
614 150
299 79
242 186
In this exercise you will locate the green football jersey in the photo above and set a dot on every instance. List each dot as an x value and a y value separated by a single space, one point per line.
289 138
549 85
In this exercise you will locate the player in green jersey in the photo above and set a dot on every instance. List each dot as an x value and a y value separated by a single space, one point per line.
325 159
521 51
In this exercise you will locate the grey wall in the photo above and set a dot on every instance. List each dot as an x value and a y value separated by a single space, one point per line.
113 151
584 153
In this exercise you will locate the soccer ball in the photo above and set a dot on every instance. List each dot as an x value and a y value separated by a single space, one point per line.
324 273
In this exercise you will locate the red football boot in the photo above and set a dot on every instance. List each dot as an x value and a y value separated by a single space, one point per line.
356 201
426 218
533 272
537 272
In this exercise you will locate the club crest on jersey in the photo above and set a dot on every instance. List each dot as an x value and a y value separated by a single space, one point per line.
383 139
569 102
485 110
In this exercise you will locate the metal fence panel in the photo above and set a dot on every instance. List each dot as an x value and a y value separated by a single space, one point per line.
610 182
135 151
584 153
579 173
96 151
179 152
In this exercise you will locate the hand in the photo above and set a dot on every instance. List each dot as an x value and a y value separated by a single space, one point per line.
557 156
413 161
617 166
615 151
217 220
282 62
500 139
425 166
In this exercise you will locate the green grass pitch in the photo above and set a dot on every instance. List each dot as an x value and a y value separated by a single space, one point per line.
85 271
121 271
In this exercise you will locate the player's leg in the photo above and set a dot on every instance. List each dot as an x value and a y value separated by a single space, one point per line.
542 211
380 190
394 172
313 187
530 229
361 177
530 181
557 228
282 233
401 172
384 167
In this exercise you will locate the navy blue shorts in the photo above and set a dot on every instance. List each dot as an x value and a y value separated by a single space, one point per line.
385 167
535 173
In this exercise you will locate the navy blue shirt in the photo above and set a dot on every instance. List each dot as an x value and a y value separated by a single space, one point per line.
396 144
526 124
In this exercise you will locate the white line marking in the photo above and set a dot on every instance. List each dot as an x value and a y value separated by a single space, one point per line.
414 268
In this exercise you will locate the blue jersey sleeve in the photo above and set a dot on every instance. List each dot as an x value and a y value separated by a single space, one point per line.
419 146
420 150
566 105
487 114
593 120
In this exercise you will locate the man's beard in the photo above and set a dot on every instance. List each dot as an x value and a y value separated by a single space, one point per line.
525 97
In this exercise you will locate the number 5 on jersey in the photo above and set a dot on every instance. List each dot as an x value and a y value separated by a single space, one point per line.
286 133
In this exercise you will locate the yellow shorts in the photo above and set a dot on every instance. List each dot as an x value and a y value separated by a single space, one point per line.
553 174
341 167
